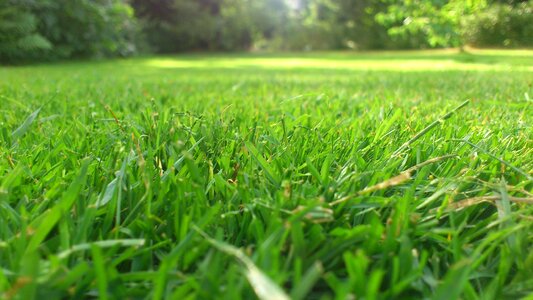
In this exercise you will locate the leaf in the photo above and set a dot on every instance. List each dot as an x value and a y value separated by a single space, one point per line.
269 172
325 170
101 244
178 164
384 127
45 224
184 245
396 180
312 169
108 194
100 271
454 281
26 285
504 214
510 165
308 281
263 286
19 132
4 283
429 127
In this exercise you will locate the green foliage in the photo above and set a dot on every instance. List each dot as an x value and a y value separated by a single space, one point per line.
62 29
502 25
50 29
179 25
85 28
19 38
439 21
236 176
359 28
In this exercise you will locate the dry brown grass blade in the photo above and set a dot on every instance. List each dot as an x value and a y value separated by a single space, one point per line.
108 108
431 161
477 200
396 180
317 214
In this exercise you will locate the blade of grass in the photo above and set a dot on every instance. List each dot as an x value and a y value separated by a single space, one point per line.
100 271
20 131
264 287
269 172
396 180
504 213
307 282
429 127
518 170
49 220
454 281
101 244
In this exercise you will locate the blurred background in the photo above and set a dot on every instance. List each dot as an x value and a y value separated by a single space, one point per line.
47 30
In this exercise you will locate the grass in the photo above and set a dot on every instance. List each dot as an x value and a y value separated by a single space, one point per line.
304 176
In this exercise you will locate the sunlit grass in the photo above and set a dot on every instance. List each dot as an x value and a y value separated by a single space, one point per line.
310 176
288 63
409 61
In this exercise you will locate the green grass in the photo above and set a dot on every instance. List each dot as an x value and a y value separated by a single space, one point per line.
310 176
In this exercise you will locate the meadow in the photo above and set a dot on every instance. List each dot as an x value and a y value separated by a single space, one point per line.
331 175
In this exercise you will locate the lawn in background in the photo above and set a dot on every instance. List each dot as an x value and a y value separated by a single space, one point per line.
312 175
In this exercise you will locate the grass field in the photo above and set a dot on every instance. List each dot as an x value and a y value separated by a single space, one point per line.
303 176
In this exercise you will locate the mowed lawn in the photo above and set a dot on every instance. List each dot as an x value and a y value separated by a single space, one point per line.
309 176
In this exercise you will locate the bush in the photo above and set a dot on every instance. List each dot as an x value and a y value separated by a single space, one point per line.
82 28
19 38
52 29
501 25
185 25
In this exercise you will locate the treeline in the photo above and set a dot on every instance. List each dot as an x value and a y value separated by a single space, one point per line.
60 29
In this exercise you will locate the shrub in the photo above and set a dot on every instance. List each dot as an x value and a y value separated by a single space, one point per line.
501 25
82 28
52 29
19 38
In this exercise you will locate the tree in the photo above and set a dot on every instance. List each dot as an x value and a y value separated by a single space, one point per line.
502 25
49 29
19 38
359 29
84 28
182 25
438 20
